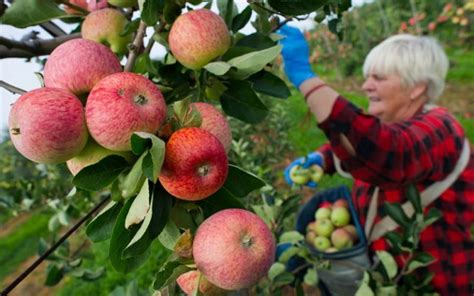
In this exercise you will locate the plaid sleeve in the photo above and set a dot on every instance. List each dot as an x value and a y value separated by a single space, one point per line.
328 160
424 147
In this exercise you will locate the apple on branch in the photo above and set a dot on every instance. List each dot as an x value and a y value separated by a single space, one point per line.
198 37
47 125
234 249
121 104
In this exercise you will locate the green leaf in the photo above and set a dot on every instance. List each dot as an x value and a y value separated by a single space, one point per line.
168 274
130 27
226 11
389 263
160 211
25 13
239 21
266 83
364 290
257 41
144 64
387 290
311 277
241 102
253 62
414 197
97 176
291 237
150 11
154 159
143 228
218 68
140 207
140 141
220 200
420 260
101 227
240 182
431 217
276 269
54 274
283 279
288 254
119 240
395 211
134 179
394 239
169 235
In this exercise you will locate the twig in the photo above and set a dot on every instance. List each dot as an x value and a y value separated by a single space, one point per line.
281 24
158 29
43 257
11 88
135 47
32 47
53 29
75 7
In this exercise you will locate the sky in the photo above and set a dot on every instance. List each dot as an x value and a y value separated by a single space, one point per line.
20 73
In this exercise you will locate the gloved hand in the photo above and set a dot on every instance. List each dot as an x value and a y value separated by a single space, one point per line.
295 54
313 158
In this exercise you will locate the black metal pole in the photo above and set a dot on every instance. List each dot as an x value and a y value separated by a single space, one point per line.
38 261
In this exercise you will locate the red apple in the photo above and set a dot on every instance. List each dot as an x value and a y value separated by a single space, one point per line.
92 154
197 37
47 125
352 231
195 164
340 203
104 26
341 239
325 204
78 64
214 122
188 282
89 5
234 249
121 104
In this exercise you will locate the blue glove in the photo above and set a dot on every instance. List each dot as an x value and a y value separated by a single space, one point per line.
306 162
295 54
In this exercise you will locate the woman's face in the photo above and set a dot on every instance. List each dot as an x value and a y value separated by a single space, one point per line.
389 100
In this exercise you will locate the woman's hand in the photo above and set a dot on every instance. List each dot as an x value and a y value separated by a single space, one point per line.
295 54
305 170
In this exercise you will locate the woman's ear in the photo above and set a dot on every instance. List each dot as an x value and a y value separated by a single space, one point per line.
418 90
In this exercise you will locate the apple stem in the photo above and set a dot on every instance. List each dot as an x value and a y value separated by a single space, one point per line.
140 100
11 88
247 241
203 170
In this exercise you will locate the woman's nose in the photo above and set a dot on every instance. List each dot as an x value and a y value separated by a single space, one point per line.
367 85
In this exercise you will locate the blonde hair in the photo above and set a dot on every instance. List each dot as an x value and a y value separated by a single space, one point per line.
415 59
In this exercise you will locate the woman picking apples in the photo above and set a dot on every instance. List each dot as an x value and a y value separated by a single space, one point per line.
401 140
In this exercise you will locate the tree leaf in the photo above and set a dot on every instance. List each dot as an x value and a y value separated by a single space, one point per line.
97 176
240 182
364 290
291 237
283 279
54 274
414 197
389 263
134 179
101 227
25 13
420 260
154 160
119 240
276 269
288 254
266 83
395 211
220 200
169 273
431 217
143 227
160 211
239 21
257 41
311 277
169 235
241 102
150 11
218 68
139 208
253 62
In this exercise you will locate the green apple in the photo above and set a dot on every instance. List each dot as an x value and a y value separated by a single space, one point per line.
105 26
299 175
322 243
341 239
323 213
324 227
124 3
317 173
340 217
331 250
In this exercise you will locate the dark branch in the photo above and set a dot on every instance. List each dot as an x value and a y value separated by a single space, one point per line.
31 47
11 88
135 47
53 29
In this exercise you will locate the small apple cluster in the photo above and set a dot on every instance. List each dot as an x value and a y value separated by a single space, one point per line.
301 176
331 231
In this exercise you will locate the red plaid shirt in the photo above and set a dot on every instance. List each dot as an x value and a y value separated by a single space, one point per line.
421 150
